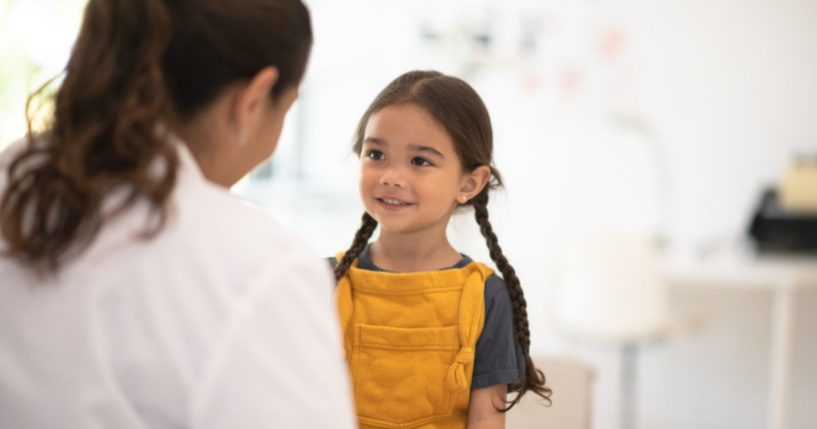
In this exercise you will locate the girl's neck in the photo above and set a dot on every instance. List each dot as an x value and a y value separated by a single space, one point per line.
403 254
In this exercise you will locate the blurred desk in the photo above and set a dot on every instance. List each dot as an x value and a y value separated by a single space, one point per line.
740 267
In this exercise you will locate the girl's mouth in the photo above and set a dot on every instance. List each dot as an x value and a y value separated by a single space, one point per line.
391 203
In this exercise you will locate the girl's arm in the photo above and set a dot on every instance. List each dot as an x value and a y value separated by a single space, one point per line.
482 413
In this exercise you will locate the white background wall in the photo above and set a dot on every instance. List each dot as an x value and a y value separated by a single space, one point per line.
731 88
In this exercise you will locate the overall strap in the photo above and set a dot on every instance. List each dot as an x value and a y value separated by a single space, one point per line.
471 321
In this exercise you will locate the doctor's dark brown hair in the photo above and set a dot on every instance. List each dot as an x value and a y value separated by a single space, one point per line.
459 110
134 64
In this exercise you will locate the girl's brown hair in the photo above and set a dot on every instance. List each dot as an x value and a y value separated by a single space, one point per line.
134 64
456 107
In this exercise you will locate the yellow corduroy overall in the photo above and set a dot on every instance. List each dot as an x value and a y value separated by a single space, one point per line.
409 340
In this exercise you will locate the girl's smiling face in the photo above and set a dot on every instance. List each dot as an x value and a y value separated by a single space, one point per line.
411 177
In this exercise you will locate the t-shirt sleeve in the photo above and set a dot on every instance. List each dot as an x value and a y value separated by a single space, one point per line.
280 363
498 355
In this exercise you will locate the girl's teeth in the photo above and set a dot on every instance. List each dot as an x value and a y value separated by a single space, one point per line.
393 202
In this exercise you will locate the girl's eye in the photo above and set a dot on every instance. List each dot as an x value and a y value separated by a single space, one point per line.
420 162
375 155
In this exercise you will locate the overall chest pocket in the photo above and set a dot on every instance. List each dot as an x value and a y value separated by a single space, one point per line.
399 374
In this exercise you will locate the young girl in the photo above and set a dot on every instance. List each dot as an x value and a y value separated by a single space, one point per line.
432 338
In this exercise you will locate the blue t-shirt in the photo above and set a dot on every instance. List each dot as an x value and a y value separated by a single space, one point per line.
498 357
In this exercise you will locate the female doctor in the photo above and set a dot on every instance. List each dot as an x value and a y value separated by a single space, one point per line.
135 290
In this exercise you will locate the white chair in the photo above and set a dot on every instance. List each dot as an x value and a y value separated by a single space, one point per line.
572 384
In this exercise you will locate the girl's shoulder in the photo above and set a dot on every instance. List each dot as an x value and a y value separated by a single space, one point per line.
494 284
494 288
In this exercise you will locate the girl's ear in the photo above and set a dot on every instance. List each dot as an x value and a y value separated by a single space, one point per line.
473 183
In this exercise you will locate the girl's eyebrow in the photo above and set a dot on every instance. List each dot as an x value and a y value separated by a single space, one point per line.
429 149
415 147
374 140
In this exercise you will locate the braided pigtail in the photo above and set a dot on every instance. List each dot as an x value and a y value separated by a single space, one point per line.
367 227
533 379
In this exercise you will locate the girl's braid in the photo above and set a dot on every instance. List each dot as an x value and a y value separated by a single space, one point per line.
367 227
533 378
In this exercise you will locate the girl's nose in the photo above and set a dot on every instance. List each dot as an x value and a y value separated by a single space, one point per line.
392 177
